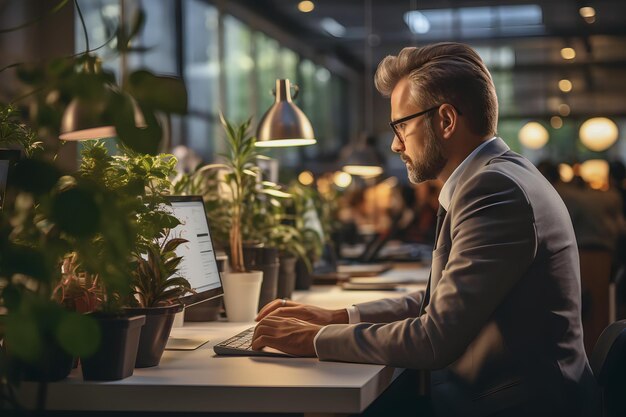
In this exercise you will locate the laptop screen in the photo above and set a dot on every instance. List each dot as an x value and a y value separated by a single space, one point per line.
199 265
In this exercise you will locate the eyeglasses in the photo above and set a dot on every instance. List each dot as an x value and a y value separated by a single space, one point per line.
395 125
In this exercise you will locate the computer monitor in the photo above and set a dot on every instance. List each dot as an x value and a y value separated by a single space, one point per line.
199 265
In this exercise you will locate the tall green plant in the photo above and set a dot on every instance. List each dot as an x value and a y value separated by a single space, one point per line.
240 180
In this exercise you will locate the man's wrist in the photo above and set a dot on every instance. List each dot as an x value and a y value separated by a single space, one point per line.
340 316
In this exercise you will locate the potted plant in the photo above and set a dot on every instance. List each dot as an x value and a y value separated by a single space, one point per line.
226 187
307 221
39 335
142 180
156 286
100 228
270 224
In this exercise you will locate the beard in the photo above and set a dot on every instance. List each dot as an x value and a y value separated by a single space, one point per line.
429 162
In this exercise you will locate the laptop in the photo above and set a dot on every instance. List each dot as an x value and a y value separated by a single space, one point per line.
199 264
200 267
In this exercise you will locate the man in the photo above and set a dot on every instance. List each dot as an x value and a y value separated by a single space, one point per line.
500 321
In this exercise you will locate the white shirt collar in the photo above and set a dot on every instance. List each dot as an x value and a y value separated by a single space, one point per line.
445 196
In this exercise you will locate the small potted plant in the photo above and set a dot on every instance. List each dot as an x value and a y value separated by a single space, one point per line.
156 287
270 224
140 181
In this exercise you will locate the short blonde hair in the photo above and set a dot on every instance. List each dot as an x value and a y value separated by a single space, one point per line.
445 72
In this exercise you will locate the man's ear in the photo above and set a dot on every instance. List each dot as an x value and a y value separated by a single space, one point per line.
448 117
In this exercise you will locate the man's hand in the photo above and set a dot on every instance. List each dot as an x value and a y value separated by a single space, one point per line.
289 335
309 313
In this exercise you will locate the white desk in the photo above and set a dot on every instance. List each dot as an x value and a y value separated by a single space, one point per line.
200 381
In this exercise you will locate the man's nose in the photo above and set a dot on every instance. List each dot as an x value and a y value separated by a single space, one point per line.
396 145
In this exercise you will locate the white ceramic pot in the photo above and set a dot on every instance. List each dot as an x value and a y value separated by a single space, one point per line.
241 294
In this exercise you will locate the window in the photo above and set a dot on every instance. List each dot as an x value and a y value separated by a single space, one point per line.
226 65
201 73
238 67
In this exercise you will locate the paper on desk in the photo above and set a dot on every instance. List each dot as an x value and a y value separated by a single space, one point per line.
396 276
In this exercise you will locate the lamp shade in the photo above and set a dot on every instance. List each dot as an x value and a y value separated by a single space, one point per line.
598 133
86 119
363 162
284 124
361 158
83 120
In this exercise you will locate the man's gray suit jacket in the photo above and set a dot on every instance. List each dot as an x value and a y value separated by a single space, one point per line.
502 329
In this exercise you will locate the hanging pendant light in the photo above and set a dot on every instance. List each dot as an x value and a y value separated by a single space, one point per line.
83 120
87 119
362 158
284 124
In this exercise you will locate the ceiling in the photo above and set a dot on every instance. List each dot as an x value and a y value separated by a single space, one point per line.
521 42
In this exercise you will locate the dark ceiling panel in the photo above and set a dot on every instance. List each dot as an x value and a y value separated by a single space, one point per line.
598 71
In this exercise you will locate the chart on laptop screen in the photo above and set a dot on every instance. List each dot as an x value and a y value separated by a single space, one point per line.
198 264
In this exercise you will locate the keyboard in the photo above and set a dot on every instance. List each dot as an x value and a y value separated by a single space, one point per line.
241 345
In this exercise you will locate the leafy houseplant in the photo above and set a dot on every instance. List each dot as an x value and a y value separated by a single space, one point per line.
240 180
144 179
306 220
39 336
228 189
156 284
52 213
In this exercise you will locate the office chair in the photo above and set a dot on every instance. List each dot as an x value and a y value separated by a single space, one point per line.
608 362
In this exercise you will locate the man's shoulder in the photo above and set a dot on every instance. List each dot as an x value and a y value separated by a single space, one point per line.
501 172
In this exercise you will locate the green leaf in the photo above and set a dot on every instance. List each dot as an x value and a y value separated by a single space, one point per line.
86 85
174 243
140 139
11 297
171 265
78 334
23 337
167 94
25 260
76 212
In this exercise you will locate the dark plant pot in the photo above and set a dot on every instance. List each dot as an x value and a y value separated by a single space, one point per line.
266 260
286 276
115 358
54 365
304 278
154 333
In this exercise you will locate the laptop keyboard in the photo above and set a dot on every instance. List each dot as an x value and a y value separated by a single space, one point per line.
241 344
